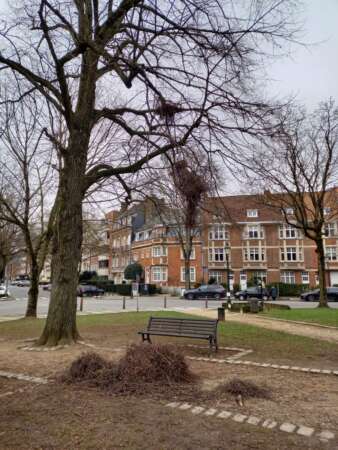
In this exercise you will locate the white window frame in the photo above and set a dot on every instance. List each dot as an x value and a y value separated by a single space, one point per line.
217 254
330 229
287 231
192 254
252 213
331 253
254 254
158 251
291 254
327 210
192 274
218 232
159 273
289 211
305 277
217 274
288 277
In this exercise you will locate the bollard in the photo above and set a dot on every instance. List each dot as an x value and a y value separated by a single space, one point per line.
165 302
81 303
124 303
137 305
206 303
220 314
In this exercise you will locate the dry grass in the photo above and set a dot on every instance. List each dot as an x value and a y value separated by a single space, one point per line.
143 369
244 388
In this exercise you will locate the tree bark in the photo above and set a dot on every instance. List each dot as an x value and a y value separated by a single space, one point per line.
33 291
60 327
187 272
321 273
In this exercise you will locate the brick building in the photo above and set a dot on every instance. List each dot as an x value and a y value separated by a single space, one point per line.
237 230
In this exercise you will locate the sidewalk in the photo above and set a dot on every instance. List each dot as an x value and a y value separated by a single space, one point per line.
311 331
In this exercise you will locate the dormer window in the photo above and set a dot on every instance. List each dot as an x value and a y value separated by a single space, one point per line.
251 213
326 211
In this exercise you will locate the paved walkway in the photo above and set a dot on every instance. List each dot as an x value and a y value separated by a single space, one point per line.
312 331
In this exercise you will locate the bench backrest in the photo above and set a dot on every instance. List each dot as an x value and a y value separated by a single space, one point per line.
202 327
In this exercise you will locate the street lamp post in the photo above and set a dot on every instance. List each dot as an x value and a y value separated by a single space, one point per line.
228 273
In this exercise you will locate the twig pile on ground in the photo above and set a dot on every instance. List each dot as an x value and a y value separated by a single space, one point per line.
244 388
144 368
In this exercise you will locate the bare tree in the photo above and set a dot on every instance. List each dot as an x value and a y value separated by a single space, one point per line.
136 65
26 185
9 245
298 173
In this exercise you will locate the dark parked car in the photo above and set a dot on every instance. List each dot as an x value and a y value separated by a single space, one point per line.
313 296
89 291
252 292
206 291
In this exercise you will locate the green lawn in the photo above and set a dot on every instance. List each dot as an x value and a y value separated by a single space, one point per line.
121 329
323 316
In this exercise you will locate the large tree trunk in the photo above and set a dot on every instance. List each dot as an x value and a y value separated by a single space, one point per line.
60 327
321 274
33 291
187 273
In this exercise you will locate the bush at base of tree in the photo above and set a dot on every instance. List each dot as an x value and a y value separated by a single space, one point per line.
133 272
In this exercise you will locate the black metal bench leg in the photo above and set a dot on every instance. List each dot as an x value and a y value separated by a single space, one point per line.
216 344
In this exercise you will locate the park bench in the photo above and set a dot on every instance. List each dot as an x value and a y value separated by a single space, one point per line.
187 328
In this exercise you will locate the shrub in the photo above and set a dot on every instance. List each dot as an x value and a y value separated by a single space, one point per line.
133 271
86 367
212 280
123 289
87 275
244 388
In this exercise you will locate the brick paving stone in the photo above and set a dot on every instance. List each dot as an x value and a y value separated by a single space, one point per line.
327 371
197 410
239 418
210 412
185 406
224 414
172 404
287 427
268 423
326 435
285 367
305 431
252 420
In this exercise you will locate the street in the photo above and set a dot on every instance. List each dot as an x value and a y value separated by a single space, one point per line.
16 306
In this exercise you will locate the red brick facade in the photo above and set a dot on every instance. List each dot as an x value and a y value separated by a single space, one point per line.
257 242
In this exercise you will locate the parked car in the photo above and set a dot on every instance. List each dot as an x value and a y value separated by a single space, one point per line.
252 292
87 290
206 291
313 296
23 283
47 287
3 291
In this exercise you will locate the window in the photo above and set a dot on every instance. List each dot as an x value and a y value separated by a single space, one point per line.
288 277
291 254
253 232
159 251
192 254
289 211
159 273
139 236
287 231
254 254
115 261
217 274
331 253
305 278
218 232
217 254
192 274
330 229
251 213
326 211
103 264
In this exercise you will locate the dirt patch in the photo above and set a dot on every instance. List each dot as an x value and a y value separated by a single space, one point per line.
63 417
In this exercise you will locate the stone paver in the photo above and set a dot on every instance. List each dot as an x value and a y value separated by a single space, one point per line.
172 404
287 427
239 418
268 423
197 409
252 420
325 435
305 431
185 406
210 412
224 414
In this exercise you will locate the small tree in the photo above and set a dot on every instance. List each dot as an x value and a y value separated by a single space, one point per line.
133 271
299 174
